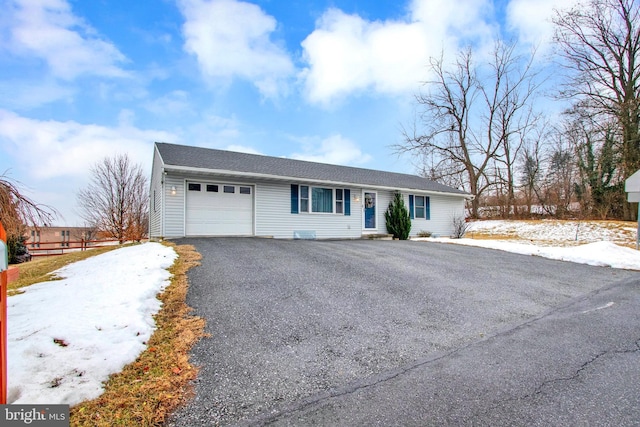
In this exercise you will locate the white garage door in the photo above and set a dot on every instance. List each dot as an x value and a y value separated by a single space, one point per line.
219 209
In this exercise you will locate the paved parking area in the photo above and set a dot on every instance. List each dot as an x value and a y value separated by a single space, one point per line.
364 332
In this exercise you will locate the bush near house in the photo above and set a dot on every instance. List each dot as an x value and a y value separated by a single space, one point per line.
397 218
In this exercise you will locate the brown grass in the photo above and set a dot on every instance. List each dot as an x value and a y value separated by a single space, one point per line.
149 389
40 269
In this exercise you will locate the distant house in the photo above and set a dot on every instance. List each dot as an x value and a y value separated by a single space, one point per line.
58 237
206 192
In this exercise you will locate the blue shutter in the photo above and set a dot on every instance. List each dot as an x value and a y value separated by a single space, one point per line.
347 201
411 206
427 210
294 198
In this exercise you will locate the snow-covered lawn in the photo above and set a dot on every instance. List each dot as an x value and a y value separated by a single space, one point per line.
558 233
601 243
65 337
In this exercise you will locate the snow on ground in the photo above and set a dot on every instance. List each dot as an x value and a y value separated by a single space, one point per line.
552 232
65 337
585 242
604 254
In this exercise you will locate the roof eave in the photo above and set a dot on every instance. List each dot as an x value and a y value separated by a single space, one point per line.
272 177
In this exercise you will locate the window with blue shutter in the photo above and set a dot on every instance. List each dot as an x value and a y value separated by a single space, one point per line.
347 201
411 206
294 198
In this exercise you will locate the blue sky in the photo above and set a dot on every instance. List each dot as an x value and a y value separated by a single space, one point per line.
328 81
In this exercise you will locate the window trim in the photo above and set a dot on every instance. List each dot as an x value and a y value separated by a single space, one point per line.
426 206
306 199
339 201
417 206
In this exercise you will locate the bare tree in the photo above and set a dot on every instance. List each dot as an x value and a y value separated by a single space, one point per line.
468 121
18 210
446 120
509 116
86 235
599 41
116 199
531 167
557 190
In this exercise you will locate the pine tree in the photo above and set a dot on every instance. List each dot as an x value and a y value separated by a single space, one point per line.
397 218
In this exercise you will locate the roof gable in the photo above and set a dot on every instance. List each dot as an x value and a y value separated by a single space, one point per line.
212 159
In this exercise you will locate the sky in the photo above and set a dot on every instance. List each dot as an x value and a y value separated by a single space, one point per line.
105 326
324 80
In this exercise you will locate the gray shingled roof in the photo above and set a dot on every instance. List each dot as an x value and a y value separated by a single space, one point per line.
207 158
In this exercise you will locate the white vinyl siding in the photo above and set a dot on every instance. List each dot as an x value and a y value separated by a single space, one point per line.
274 217
155 193
174 206
442 209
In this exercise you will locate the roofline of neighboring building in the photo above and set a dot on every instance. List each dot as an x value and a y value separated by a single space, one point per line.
174 168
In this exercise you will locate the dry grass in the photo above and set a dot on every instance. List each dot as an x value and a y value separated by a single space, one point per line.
147 390
40 269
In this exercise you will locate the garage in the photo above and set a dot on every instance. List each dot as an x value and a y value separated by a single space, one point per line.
219 209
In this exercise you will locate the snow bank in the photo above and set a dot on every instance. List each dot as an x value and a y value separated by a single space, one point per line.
605 254
65 337
555 232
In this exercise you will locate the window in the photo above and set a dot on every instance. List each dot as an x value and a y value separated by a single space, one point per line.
304 198
229 189
420 206
245 190
212 188
194 187
321 200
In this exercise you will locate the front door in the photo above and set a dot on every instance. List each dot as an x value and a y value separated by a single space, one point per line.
369 205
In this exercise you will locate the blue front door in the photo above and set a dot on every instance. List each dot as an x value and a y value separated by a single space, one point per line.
369 210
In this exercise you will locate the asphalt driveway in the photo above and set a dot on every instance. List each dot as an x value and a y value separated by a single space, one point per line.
408 333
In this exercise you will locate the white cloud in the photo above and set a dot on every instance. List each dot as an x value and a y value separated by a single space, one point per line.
232 39
48 30
532 19
335 149
50 149
172 104
23 94
242 149
347 53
